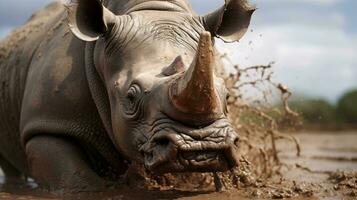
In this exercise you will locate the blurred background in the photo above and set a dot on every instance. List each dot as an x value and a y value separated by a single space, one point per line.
312 42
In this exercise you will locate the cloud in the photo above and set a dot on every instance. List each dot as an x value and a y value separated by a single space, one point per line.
202 7
317 58
4 31
15 12
319 2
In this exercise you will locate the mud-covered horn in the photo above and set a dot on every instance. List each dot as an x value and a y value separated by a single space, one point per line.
194 92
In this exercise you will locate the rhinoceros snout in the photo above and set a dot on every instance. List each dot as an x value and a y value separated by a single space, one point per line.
182 149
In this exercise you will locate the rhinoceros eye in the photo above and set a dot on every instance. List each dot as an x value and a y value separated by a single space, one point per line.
133 99
133 92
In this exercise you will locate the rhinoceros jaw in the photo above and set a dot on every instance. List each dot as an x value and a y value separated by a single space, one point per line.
183 149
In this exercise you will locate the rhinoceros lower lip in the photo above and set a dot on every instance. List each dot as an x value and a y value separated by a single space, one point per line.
173 151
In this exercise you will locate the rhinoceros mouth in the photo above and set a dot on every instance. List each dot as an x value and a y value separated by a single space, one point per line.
176 148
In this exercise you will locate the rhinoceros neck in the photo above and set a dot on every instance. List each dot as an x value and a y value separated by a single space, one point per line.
97 89
127 6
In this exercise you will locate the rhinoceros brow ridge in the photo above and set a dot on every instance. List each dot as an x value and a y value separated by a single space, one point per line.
134 31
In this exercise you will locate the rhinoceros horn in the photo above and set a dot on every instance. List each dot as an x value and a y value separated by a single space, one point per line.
194 91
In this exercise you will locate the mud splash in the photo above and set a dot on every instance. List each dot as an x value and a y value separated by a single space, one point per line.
269 164
264 167
258 127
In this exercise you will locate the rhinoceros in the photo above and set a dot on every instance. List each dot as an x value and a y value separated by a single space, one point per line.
89 87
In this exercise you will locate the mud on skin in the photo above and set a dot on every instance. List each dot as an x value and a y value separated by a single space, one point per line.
95 87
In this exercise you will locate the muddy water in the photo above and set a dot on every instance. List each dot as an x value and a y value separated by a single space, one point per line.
321 152
329 151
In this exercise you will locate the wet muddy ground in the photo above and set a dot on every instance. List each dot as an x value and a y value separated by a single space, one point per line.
321 154
328 163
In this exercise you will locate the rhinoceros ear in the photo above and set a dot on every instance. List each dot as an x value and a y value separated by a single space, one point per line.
231 21
89 19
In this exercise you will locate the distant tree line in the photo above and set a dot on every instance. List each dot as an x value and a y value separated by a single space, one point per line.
320 111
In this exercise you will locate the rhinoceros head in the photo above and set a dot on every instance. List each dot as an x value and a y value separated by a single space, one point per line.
157 60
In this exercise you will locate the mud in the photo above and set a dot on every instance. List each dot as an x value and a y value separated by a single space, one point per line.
272 165
327 165
325 170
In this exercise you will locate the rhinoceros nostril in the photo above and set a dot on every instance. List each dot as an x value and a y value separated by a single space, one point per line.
236 141
163 142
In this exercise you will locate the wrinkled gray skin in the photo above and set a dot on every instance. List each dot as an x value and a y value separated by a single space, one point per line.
127 81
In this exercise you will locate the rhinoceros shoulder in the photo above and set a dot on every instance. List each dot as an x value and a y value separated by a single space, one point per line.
57 99
16 55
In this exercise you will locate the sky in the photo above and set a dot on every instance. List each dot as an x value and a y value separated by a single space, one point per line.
312 42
